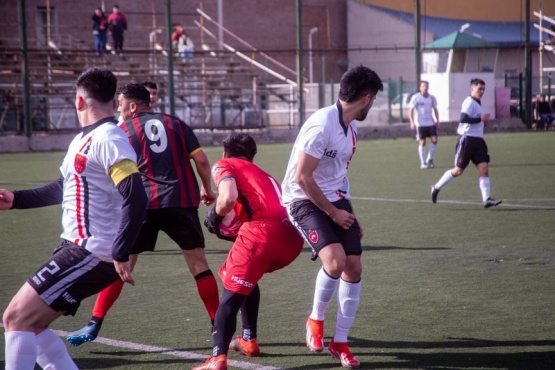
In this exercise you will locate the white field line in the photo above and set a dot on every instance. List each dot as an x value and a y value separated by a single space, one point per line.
167 351
504 204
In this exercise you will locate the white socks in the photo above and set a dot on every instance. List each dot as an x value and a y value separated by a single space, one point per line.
432 151
445 179
323 293
52 352
484 188
348 297
21 350
421 153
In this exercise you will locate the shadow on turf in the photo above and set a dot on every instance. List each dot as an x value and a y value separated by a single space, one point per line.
473 358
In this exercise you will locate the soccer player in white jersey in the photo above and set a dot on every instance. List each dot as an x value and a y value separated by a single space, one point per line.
317 197
425 107
99 187
471 145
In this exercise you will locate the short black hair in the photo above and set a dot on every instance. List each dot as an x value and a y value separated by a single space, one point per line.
150 85
477 81
99 83
239 145
357 82
136 93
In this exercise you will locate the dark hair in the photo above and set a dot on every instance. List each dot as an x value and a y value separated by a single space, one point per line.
239 145
477 81
99 83
357 82
115 6
424 82
136 93
150 85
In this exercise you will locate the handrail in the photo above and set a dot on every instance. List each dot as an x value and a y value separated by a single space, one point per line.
246 58
206 16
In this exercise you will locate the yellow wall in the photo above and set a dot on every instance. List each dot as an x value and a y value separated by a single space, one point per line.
479 10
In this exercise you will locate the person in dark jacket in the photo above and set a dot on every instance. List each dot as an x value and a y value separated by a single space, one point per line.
118 25
100 30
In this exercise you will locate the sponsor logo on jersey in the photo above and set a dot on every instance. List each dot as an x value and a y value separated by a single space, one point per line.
242 282
330 153
80 162
69 298
313 236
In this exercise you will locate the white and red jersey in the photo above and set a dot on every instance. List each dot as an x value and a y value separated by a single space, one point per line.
91 202
326 137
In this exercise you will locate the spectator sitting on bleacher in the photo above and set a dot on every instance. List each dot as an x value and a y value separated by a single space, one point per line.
185 47
543 113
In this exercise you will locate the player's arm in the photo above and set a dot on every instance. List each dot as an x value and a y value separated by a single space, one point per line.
127 179
436 112
227 196
202 165
304 177
411 118
46 195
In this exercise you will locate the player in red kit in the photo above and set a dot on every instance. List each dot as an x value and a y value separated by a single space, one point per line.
266 242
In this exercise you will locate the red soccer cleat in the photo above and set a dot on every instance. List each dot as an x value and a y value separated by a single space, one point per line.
249 348
213 363
315 335
341 352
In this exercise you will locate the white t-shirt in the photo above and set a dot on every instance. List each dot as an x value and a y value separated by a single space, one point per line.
423 107
473 108
92 204
323 137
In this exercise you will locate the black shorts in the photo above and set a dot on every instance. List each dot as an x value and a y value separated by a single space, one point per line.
427 131
182 225
318 229
470 148
70 275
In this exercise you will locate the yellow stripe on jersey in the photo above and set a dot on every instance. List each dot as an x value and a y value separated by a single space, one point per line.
122 169
195 151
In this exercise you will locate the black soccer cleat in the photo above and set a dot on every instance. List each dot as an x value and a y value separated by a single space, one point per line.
490 202
434 193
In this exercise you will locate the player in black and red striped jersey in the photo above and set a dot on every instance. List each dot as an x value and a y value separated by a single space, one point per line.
165 148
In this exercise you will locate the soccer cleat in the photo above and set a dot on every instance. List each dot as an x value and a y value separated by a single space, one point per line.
341 352
434 193
490 202
248 347
87 333
431 163
315 335
213 363
424 165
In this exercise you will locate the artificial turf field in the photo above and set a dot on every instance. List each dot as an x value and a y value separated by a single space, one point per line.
445 286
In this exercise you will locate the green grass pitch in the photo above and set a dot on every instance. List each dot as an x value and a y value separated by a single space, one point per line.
445 286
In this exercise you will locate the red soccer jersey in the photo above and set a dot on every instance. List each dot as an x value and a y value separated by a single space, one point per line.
259 193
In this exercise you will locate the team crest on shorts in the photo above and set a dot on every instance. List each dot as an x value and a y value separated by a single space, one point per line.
313 236
80 162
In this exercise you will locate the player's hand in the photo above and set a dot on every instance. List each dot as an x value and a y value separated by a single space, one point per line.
212 221
438 125
361 233
343 218
207 196
485 118
6 199
124 271
412 127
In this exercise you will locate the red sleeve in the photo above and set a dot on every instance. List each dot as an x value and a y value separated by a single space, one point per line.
221 170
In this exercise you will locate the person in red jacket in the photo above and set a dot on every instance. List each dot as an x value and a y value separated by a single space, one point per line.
117 23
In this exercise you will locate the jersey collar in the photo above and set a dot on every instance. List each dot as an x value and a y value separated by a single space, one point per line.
90 128
341 122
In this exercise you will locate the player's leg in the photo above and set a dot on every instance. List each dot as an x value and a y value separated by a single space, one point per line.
183 226
433 146
485 188
207 286
422 148
247 342
348 296
463 155
26 314
104 302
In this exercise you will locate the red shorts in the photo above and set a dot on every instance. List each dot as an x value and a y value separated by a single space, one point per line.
261 247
